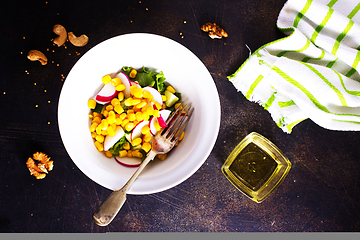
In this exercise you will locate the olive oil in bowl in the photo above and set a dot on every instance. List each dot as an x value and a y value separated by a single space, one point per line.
256 167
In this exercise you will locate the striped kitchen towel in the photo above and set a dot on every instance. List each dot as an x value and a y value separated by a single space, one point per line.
313 73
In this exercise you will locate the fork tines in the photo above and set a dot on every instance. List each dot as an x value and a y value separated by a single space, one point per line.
178 121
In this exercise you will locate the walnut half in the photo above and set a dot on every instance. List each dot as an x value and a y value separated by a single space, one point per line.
39 165
214 30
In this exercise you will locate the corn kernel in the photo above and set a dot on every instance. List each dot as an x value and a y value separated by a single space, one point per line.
109 107
133 73
171 89
129 111
108 154
124 122
139 116
132 88
122 153
138 92
98 129
177 106
147 94
136 141
93 127
146 116
96 114
99 138
115 101
105 113
104 124
146 146
126 146
118 109
106 79
118 121
121 96
137 153
104 132
157 126
99 146
122 116
120 87
96 120
162 156
128 102
129 126
163 97
91 104
182 136
135 101
145 130
150 110
129 154
110 130
131 117
156 113
158 106
141 104
93 135
147 137
115 81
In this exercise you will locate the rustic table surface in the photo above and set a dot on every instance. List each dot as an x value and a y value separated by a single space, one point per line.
320 193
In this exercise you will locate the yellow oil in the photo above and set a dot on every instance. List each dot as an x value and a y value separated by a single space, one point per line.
253 166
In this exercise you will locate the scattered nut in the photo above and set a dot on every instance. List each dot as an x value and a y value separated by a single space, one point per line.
78 41
61 31
39 165
214 30
35 55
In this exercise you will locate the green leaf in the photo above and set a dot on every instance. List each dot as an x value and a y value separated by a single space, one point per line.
144 78
160 79
126 70
118 146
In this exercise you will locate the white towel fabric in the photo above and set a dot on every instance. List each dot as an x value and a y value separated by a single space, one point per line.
314 71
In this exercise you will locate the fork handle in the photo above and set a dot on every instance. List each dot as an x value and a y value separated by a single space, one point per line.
107 211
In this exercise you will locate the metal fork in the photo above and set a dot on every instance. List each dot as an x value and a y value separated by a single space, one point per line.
162 143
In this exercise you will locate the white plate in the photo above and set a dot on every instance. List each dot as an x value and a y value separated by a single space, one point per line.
181 68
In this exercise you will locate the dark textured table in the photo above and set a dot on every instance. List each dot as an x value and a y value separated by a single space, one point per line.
320 193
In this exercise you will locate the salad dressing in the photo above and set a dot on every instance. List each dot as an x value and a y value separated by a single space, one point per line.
256 167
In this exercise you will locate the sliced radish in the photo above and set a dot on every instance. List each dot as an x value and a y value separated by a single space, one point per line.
107 93
102 103
155 93
164 116
125 80
128 162
132 83
136 132
110 141
162 122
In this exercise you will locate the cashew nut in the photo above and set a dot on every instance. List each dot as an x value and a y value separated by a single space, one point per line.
61 31
35 55
78 41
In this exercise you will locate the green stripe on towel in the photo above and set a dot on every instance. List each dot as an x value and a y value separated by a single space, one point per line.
322 25
337 91
253 86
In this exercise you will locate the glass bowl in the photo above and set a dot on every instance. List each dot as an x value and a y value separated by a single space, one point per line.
256 167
